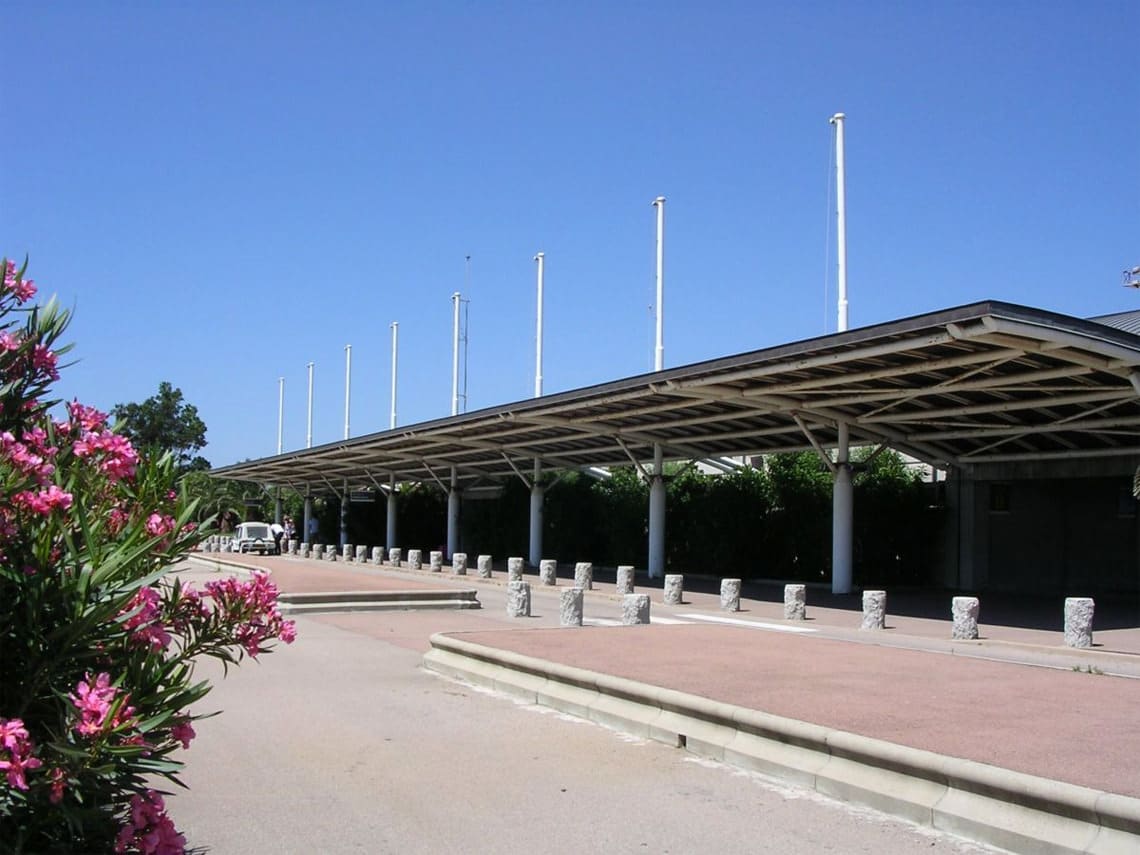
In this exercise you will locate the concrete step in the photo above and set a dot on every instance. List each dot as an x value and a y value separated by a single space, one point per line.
310 602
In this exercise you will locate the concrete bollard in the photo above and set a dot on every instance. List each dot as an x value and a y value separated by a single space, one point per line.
292 546
584 575
1078 621
306 550
964 611
377 554
318 551
548 571
674 589
570 607
518 599
514 569
346 552
795 602
625 579
435 561
874 610
361 555
459 563
395 555
634 609
730 595
483 566
415 559
331 554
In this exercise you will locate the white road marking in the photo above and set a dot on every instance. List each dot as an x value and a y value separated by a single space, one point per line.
751 624
616 622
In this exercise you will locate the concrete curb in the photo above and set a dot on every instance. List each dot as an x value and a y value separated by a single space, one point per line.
310 602
997 806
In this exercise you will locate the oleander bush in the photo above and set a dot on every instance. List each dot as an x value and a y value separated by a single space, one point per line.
97 642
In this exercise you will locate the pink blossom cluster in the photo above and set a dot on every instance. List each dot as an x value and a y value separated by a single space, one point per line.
149 831
16 752
43 502
93 699
159 524
145 621
30 455
88 419
22 289
183 732
119 458
251 606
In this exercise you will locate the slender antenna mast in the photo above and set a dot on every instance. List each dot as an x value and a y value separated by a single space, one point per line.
395 343
659 351
538 335
455 354
347 385
841 218
280 411
309 432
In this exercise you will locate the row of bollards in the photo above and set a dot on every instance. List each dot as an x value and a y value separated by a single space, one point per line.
635 607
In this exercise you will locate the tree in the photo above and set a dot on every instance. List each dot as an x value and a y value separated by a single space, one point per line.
164 422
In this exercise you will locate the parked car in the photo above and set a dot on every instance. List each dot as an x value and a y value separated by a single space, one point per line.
255 537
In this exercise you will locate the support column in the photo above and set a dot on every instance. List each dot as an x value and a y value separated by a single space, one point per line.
277 507
391 539
344 515
305 522
842 516
537 496
453 516
657 518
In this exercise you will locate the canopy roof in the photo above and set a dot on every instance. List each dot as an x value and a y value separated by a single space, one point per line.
986 382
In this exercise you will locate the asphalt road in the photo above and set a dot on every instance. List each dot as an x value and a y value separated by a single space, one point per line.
341 743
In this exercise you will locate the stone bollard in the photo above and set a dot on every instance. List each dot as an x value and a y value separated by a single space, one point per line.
483 566
459 563
730 595
874 610
415 559
515 569
394 556
306 550
674 589
625 579
964 610
330 554
634 609
570 607
346 552
377 554
1078 621
584 575
548 571
361 555
518 599
435 561
318 551
795 599
292 546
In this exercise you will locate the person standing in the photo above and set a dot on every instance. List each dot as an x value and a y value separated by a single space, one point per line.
314 529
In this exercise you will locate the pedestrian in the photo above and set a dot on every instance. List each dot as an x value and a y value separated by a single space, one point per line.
278 533
290 530
314 528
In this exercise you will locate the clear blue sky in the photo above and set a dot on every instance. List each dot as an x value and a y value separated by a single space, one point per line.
228 191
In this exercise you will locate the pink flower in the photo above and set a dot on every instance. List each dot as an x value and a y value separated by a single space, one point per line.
58 782
93 700
22 289
149 830
145 624
43 502
119 457
16 753
183 732
88 419
159 524
251 608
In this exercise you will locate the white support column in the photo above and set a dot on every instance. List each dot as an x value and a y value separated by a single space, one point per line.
841 219
277 509
537 495
657 518
659 349
453 516
308 516
538 333
391 539
842 516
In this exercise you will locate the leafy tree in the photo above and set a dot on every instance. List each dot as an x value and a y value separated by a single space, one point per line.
164 422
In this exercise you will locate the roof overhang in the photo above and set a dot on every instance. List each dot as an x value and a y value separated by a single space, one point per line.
984 383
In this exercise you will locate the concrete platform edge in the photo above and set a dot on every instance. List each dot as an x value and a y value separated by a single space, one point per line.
985 803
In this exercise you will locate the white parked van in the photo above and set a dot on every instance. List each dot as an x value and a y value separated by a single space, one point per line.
255 537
